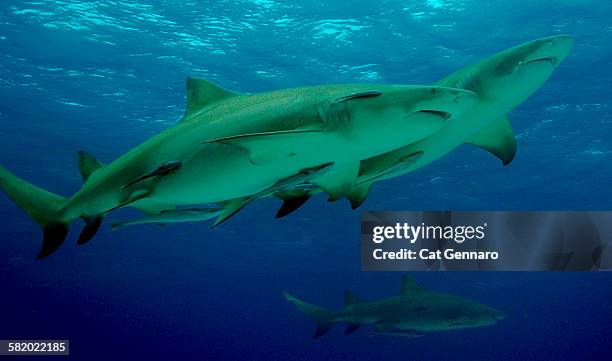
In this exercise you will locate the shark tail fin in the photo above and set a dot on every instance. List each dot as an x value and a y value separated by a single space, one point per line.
40 205
322 316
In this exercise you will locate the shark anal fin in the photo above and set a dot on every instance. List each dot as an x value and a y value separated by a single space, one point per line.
201 93
54 235
498 139
358 194
350 298
230 208
162 170
92 226
267 147
352 327
322 329
338 181
87 164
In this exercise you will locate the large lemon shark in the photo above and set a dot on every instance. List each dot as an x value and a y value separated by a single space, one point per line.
414 311
230 148
502 82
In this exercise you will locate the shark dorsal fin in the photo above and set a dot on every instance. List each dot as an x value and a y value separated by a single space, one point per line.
409 286
350 298
201 92
498 139
87 164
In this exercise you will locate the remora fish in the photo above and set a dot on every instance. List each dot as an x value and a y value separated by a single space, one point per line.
230 146
415 311
172 216
502 82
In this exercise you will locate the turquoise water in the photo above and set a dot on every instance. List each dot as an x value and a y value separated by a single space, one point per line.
105 76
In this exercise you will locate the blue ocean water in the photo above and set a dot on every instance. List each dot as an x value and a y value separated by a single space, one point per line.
103 76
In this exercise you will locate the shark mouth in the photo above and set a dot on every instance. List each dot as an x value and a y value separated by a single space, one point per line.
551 59
436 113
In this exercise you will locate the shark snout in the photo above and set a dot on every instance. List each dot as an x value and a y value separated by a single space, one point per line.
553 49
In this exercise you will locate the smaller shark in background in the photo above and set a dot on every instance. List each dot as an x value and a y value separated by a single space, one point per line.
414 312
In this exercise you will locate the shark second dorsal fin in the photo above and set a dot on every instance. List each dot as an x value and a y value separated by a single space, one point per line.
498 139
201 92
409 286
350 298
87 164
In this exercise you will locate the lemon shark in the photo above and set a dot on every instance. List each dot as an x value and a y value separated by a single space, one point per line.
501 81
414 311
230 147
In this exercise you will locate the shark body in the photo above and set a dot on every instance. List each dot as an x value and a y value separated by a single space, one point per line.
230 147
501 81
415 311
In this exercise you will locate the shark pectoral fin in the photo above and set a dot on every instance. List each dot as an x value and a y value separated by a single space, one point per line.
162 170
409 286
352 327
386 325
268 147
350 298
358 194
201 93
230 208
87 164
498 139
92 225
338 181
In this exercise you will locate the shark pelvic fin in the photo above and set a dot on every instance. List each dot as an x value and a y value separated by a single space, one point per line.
201 93
358 194
409 286
139 194
350 298
498 139
163 169
338 181
292 200
230 208
351 327
87 164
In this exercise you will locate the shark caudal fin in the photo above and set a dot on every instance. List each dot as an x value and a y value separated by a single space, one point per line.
322 316
40 205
